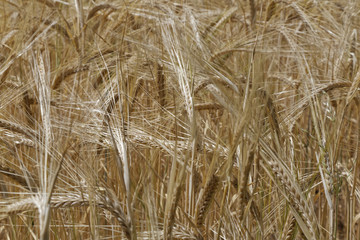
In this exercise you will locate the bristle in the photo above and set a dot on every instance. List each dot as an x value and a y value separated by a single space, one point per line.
179 119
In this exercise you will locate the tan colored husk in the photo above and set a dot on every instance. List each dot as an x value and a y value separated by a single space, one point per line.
179 119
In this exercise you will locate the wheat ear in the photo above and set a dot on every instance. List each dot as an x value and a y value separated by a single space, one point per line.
289 228
108 201
58 80
243 185
297 199
161 86
12 174
18 129
97 8
209 193
171 220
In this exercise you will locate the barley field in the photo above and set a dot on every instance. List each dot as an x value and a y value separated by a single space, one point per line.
160 119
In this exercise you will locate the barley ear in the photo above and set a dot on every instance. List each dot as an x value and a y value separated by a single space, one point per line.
207 199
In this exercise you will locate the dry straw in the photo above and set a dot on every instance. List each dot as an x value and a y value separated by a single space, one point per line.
166 103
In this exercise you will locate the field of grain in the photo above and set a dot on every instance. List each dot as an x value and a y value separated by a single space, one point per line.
194 119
